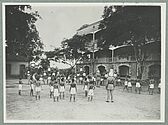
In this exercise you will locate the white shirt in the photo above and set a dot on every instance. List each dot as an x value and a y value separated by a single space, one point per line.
138 84
129 84
126 83
49 78
20 86
80 78
32 86
151 86
159 86
41 79
115 75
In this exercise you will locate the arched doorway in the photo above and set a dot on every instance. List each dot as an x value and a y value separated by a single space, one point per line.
154 71
123 71
102 70
86 68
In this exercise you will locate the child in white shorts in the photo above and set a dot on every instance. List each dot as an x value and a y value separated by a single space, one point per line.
91 91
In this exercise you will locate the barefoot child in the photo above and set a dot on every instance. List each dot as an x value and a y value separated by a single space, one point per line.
86 87
138 87
51 86
56 91
151 87
159 86
91 92
110 88
38 88
48 79
73 90
62 88
125 85
129 86
20 85
31 86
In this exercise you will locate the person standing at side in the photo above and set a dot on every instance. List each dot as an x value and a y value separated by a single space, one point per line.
138 87
129 85
125 84
151 86
159 86
51 84
28 77
110 88
31 86
20 85
38 88
85 87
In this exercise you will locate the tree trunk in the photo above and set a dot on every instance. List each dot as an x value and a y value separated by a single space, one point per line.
139 61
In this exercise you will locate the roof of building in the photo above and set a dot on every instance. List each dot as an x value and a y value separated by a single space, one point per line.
16 58
89 29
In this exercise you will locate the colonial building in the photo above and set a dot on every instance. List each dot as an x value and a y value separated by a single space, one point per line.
16 66
121 59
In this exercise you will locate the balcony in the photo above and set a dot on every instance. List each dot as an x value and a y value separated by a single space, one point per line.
108 60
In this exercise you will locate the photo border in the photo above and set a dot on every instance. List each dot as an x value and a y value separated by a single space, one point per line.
163 61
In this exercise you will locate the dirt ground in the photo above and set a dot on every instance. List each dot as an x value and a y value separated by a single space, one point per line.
126 106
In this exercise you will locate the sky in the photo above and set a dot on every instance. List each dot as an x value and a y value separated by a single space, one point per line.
60 22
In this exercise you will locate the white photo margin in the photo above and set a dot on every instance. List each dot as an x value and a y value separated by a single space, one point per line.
163 45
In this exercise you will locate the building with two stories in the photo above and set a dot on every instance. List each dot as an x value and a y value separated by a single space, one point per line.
120 59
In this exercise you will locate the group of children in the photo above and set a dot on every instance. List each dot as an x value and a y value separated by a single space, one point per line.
138 86
57 87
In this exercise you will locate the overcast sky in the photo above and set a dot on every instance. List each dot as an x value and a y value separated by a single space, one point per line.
62 21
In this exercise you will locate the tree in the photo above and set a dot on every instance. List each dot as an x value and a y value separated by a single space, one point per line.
74 48
22 37
131 25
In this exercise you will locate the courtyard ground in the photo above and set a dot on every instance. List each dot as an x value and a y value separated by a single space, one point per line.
126 106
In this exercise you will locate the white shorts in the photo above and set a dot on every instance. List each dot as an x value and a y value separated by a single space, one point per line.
38 89
90 93
129 86
85 87
20 87
151 86
62 89
51 88
73 91
56 92
110 87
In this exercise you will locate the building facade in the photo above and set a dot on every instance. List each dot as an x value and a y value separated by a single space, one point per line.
16 66
121 59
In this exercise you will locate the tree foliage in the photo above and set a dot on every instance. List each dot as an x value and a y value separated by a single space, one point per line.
22 37
75 46
131 25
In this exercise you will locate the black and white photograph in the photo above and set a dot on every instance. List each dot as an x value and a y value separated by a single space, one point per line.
84 62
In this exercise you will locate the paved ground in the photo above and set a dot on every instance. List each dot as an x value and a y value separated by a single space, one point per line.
126 106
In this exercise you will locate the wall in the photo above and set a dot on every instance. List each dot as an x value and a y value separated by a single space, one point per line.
15 67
